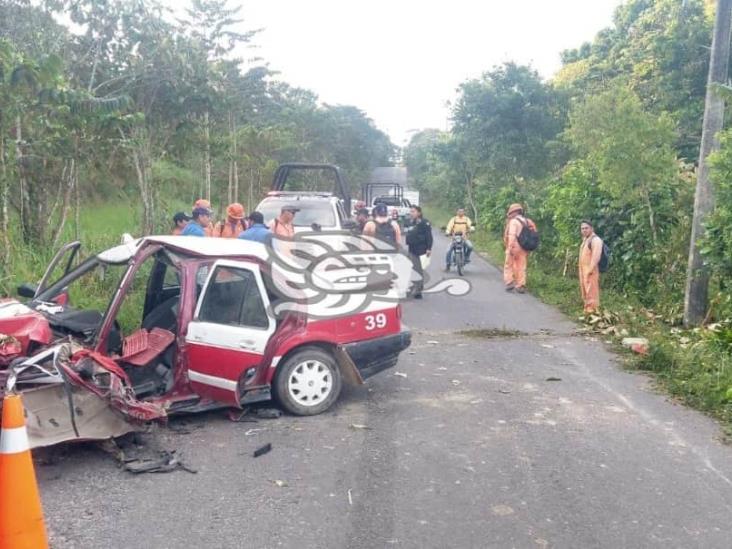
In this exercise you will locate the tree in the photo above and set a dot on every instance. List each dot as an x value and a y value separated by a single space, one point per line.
504 122
697 285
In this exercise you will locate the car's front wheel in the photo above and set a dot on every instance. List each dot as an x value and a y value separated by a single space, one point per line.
308 383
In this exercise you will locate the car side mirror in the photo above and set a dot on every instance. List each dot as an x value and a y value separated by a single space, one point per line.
27 290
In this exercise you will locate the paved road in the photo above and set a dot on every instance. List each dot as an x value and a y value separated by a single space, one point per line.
474 448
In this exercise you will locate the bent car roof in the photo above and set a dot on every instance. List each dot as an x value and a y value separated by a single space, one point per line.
213 247
204 247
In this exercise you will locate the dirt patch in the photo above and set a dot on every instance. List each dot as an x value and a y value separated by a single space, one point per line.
491 333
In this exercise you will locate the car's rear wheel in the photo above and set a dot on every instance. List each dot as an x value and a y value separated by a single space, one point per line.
308 383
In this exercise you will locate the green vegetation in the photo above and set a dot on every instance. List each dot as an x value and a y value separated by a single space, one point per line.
114 120
612 137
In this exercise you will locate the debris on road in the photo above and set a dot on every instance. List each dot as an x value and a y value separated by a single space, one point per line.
268 413
359 427
442 369
280 483
240 416
400 374
266 449
491 333
552 378
455 382
252 432
244 416
502 510
166 462
547 346
638 345
504 391
350 498
433 342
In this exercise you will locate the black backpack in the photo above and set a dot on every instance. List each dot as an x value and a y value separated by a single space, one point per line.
386 232
528 238
604 263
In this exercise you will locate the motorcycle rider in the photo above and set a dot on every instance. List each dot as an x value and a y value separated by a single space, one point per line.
459 224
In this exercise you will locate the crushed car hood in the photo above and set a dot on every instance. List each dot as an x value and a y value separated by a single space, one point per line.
71 393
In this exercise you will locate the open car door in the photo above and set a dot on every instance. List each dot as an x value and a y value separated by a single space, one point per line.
230 329
64 256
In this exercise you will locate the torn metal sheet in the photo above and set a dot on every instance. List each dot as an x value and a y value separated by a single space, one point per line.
50 420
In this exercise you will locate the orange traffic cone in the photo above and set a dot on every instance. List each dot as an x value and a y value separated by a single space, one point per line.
21 516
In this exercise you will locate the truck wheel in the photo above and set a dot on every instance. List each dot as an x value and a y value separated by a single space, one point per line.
308 383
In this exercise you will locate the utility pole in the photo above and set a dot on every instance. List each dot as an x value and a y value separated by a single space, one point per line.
697 275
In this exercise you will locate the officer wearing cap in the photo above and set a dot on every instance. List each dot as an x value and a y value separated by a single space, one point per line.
282 225
201 220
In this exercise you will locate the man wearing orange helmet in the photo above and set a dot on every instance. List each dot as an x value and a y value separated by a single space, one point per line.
234 223
514 268
203 203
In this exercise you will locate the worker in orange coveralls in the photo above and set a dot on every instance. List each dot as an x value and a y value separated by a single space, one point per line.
234 223
589 270
203 203
514 268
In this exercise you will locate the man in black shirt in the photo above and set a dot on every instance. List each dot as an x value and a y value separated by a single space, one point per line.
419 243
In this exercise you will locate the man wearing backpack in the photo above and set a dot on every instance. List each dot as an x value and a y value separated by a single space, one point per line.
590 255
382 227
514 267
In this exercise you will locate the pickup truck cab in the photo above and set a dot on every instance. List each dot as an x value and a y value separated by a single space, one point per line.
319 211
191 324
398 207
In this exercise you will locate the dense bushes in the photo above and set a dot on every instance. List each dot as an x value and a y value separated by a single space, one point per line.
607 140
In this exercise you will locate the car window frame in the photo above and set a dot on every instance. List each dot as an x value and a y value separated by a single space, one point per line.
259 281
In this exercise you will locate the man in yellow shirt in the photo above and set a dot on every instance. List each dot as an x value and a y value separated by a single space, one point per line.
459 224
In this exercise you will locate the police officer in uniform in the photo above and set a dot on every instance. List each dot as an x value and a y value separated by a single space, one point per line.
419 243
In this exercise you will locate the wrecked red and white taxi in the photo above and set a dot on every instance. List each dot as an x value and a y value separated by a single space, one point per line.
191 324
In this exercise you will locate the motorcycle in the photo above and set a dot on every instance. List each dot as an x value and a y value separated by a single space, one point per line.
458 252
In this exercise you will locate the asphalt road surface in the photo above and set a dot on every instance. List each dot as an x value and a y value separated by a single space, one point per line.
521 433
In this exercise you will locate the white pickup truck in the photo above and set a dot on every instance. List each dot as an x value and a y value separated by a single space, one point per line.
401 205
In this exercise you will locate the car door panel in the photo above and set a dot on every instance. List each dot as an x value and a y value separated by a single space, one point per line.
224 340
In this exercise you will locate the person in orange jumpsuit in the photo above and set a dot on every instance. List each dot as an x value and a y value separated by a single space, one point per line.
234 224
203 203
514 268
589 271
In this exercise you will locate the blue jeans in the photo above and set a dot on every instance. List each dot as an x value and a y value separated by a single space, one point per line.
468 249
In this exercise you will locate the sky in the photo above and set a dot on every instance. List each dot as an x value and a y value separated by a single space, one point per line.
401 61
